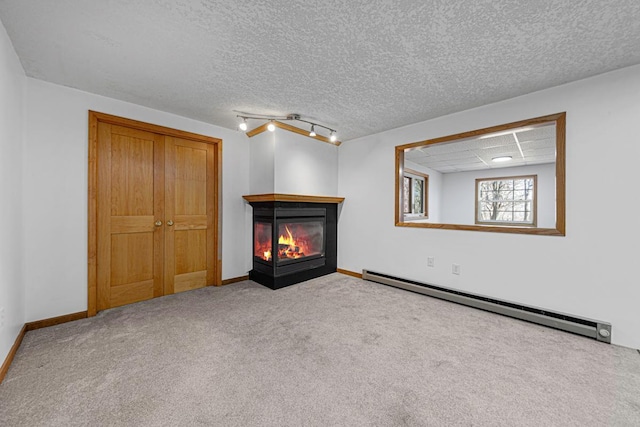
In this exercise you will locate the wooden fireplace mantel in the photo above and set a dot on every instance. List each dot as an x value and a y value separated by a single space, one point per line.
274 197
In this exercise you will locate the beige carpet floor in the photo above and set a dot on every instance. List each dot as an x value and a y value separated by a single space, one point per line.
333 351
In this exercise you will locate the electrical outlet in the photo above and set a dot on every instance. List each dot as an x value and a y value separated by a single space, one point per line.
431 262
455 269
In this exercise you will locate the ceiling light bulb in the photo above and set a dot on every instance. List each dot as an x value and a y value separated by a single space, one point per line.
271 127
333 137
313 132
243 125
501 159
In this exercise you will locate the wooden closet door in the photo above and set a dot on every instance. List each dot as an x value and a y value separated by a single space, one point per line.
189 209
130 202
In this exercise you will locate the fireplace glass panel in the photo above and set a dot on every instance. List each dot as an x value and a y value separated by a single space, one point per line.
300 239
262 241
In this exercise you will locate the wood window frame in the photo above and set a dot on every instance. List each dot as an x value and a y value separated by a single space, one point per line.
425 194
534 203
559 119
92 250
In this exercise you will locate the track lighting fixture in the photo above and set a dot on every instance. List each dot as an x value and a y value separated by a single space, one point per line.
290 117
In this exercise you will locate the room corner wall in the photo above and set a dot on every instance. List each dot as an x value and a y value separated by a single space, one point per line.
56 183
585 273
304 165
289 163
12 282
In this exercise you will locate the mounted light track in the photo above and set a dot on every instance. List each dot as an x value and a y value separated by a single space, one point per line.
333 137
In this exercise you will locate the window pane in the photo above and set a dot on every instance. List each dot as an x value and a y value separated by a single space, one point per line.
418 191
490 210
505 216
506 200
506 195
489 195
520 206
406 196
519 216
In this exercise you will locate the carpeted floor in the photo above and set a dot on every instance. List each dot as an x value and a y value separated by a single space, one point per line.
331 351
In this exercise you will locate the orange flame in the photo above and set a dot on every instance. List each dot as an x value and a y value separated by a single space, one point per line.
286 240
290 247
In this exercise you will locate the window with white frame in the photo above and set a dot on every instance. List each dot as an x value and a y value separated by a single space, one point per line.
415 190
506 200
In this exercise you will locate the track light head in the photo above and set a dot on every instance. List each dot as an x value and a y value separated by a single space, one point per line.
271 127
243 125
313 131
333 137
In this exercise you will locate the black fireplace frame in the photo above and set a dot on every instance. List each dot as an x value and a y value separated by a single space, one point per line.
276 275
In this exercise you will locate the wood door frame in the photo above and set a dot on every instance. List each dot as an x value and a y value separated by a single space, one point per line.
92 249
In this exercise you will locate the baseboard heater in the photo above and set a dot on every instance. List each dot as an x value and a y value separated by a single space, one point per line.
601 331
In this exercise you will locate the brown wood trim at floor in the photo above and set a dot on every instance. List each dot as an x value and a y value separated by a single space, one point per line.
349 273
44 323
7 361
234 280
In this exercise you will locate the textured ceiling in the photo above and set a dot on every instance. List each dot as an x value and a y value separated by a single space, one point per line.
360 67
526 146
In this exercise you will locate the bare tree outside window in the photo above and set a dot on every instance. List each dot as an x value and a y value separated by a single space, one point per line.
418 196
406 189
506 200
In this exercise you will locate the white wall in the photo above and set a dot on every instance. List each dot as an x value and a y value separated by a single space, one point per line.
55 193
12 294
459 193
304 165
262 151
289 163
586 273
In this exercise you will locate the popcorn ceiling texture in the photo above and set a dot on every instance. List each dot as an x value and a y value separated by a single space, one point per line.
359 66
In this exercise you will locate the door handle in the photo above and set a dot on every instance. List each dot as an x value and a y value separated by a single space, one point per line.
169 223
158 223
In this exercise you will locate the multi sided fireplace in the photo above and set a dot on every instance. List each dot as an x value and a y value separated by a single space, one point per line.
294 238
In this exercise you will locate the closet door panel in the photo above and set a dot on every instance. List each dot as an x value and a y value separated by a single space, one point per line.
189 199
130 199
